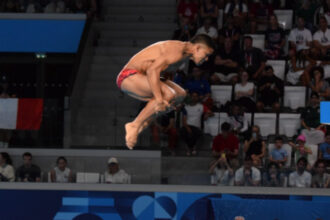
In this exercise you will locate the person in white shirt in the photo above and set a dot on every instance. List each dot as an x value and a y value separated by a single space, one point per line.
247 175
222 173
208 29
300 37
61 173
244 93
300 177
321 38
7 172
114 174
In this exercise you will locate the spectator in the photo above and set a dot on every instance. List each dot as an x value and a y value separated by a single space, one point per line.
79 7
208 29
230 31
61 173
247 175
255 147
197 83
274 39
254 58
325 10
55 6
321 38
12 6
300 38
208 9
270 89
273 177
300 149
279 156
193 113
318 84
237 120
299 64
307 11
324 152
114 174
188 9
186 30
300 177
244 93
226 64
223 174
166 125
226 145
7 172
313 130
28 172
259 12
238 10
320 179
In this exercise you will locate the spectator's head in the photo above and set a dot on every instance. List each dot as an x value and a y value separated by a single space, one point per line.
327 138
273 168
207 23
236 110
248 42
203 47
273 20
61 163
197 73
247 163
244 77
323 23
301 165
228 43
301 23
301 140
317 73
315 99
225 129
113 165
256 132
5 159
320 167
278 142
27 159
269 71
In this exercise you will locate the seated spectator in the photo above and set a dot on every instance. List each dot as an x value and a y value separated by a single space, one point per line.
324 152
318 84
300 64
223 174
274 39
7 172
300 38
28 172
12 6
273 177
226 144
279 156
313 130
244 93
247 175
193 114
320 179
188 9
186 30
61 173
321 38
55 6
254 59
325 10
259 12
307 11
232 32
255 147
300 177
114 174
208 29
237 120
238 10
270 89
226 64
166 124
208 9
300 148
197 83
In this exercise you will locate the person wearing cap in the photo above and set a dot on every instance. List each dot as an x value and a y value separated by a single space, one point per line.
114 174
300 149
313 130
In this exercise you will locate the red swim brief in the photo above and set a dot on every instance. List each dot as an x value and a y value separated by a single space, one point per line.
124 74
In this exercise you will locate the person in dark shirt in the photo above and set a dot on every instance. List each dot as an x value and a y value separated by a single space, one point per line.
28 172
226 64
255 147
270 90
198 84
231 31
274 39
254 59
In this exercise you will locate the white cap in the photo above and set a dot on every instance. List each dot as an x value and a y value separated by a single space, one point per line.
112 160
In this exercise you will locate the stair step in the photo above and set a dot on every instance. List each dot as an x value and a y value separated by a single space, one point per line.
158 34
103 42
117 51
116 60
136 26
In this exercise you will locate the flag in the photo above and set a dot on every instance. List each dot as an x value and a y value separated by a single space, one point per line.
21 114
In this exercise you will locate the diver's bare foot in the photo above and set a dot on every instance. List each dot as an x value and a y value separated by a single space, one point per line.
131 135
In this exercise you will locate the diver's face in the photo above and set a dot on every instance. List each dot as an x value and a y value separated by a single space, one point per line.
201 54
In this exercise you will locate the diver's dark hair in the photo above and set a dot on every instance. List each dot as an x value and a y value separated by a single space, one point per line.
203 39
